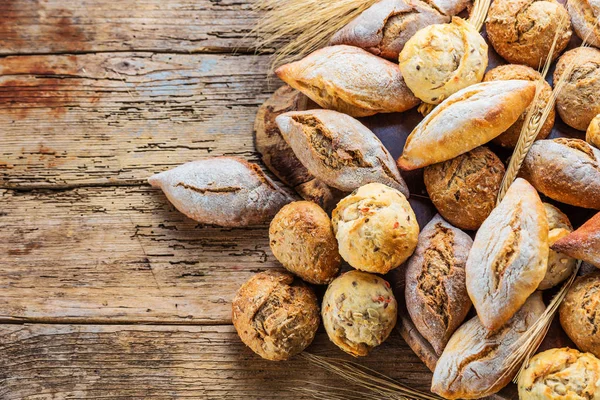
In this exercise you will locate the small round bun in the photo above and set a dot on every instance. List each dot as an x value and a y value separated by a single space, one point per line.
359 312
275 315
441 59
558 374
579 101
584 14
522 31
514 71
579 313
464 190
376 228
592 135
302 239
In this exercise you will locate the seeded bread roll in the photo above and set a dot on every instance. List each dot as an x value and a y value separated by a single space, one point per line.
579 100
466 120
441 59
386 26
376 228
558 374
350 80
302 239
436 293
339 150
509 256
584 16
584 243
579 314
225 191
593 132
464 189
522 31
566 170
514 71
359 312
469 368
275 315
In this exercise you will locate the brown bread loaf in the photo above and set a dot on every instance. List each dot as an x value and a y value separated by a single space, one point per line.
592 135
584 243
584 16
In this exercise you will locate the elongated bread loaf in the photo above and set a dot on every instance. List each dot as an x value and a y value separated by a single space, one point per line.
584 243
466 120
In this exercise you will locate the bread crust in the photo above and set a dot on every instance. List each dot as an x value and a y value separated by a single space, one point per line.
339 150
225 191
436 294
350 80
566 170
469 368
509 256
466 120
584 14
592 136
584 243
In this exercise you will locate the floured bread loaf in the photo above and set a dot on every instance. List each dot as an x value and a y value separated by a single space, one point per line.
584 243
584 16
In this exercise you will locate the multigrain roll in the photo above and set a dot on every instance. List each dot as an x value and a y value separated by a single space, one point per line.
558 374
579 100
359 312
584 243
560 266
514 71
522 31
376 228
302 239
275 315
584 16
579 314
592 135
464 189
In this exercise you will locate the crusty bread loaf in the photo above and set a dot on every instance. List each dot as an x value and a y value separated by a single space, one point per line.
584 16
436 293
225 191
469 368
386 26
566 170
584 243
592 136
467 119
339 150
509 256
350 80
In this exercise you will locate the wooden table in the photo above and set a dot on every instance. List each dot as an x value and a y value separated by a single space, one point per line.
105 289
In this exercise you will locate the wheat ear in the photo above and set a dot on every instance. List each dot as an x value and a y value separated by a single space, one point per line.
479 13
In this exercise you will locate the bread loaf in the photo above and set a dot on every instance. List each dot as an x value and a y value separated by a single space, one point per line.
560 266
436 293
466 120
592 135
509 256
225 191
584 243
469 367
584 16
339 150
566 170
350 80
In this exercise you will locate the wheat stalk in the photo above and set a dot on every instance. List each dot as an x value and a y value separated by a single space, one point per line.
480 10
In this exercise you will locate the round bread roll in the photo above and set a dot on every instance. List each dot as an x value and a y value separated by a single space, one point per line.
579 313
441 59
514 71
275 315
592 135
522 31
302 239
579 101
560 266
584 14
359 312
557 374
465 189
376 228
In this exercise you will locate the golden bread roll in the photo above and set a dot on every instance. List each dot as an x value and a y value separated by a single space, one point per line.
592 135
584 243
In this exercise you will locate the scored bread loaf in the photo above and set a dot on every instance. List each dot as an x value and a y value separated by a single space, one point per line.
466 120
584 243
509 256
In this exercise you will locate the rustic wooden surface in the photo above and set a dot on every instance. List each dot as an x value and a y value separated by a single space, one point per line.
95 96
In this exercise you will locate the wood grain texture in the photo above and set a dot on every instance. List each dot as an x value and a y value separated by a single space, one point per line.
166 362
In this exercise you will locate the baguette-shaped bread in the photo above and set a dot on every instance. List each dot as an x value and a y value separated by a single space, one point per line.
584 243
469 368
339 150
350 80
225 191
509 256
467 119
566 170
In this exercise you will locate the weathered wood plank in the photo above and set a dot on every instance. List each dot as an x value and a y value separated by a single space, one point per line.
78 26
166 362
115 118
